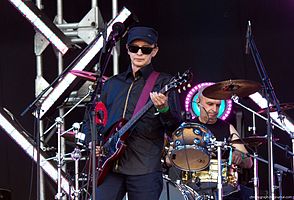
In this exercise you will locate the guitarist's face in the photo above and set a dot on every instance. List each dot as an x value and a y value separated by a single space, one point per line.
142 56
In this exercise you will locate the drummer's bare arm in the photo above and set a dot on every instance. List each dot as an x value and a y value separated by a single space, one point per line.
239 156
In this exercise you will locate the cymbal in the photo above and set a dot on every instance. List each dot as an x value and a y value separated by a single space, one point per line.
226 89
89 76
253 141
283 106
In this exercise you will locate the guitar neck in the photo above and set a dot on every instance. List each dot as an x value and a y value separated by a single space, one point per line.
135 118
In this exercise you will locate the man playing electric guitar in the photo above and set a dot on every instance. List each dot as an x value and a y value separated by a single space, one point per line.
137 171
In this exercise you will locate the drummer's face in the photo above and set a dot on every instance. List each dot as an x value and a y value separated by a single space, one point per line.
211 106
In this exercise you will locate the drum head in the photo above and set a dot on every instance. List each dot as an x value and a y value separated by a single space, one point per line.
190 143
190 158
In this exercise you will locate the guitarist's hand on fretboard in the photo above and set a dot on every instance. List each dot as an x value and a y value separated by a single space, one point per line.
159 100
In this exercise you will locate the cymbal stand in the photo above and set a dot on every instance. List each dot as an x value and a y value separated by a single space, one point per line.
76 156
236 101
270 97
255 162
219 145
279 174
59 122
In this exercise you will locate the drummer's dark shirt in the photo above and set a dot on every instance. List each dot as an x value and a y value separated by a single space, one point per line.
220 130
145 144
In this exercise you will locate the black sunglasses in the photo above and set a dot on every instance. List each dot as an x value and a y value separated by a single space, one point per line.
135 49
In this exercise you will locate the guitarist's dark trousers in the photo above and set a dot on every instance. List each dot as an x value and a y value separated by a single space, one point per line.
138 187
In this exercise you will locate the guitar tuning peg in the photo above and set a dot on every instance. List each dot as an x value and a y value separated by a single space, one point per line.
179 90
184 88
189 85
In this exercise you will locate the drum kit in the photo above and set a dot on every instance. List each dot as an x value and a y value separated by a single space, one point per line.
193 146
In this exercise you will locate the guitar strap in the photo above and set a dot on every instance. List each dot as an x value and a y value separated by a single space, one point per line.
146 91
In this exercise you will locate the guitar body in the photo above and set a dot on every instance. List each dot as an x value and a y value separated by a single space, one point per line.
113 148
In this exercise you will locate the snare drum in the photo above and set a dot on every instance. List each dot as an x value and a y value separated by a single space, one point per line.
190 147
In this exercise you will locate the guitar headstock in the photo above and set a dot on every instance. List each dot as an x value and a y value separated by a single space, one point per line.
179 82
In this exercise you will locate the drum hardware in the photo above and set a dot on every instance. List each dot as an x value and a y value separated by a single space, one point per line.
177 191
71 109
255 141
76 156
226 89
279 175
219 145
284 107
59 156
236 100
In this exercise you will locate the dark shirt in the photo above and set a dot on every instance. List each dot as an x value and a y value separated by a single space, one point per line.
145 144
220 130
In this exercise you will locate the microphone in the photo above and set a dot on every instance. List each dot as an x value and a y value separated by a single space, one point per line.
118 29
248 35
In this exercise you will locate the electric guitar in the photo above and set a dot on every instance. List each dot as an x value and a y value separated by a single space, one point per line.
114 145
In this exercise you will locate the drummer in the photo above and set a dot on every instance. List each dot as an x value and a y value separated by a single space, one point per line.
209 110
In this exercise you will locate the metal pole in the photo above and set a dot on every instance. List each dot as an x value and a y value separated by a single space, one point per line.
255 178
76 179
40 175
270 156
59 157
117 47
60 70
219 168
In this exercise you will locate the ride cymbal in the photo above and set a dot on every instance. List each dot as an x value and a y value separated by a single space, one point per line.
226 89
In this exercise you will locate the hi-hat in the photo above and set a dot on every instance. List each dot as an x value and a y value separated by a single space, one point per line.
283 106
226 89
253 141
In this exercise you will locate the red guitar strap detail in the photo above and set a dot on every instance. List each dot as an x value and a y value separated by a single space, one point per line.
146 91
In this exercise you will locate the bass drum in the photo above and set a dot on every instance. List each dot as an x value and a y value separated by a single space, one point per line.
174 191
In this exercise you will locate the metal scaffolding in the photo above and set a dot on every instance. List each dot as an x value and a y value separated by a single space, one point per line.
83 31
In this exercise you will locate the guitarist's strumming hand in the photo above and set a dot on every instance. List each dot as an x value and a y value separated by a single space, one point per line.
159 100
99 150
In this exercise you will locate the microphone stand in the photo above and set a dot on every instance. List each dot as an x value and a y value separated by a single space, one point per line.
105 57
270 95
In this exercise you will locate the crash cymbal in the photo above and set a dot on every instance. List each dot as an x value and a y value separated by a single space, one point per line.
226 89
283 106
253 141
89 76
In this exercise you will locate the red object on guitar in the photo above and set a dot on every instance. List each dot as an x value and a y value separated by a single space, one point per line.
101 120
